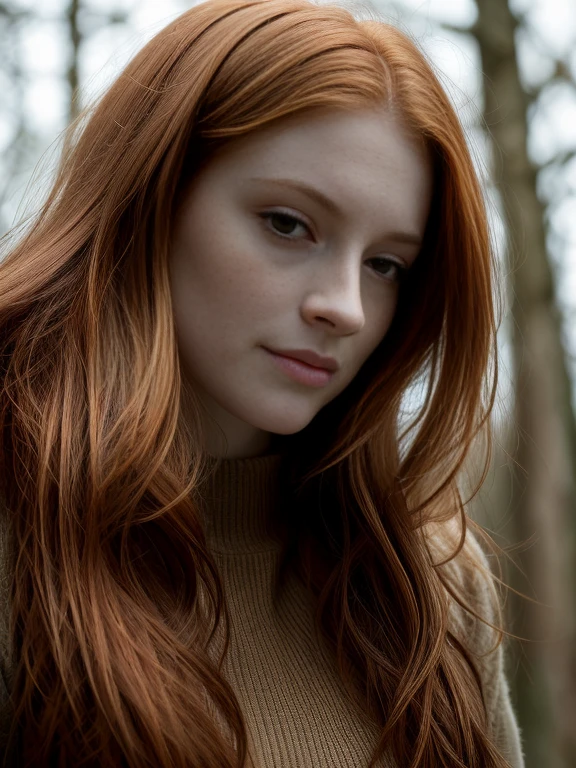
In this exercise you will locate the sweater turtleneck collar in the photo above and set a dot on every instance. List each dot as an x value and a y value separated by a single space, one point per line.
239 499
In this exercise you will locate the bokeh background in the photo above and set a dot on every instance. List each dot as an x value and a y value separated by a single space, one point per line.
510 68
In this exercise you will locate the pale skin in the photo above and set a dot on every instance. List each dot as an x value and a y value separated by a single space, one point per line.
256 263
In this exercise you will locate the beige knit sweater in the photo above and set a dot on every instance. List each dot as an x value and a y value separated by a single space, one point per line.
297 711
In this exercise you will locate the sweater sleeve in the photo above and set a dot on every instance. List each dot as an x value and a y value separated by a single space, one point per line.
480 639
502 717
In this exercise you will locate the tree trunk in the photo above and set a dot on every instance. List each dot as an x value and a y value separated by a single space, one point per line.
543 444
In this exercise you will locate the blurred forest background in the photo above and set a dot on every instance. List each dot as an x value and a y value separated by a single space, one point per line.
510 68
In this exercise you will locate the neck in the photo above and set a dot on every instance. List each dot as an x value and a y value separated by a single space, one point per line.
239 502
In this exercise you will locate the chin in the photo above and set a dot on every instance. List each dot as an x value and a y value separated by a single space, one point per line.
284 425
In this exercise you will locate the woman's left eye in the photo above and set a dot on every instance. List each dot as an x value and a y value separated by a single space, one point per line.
284 224
391 270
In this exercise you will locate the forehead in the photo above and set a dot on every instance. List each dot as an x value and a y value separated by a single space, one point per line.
365 160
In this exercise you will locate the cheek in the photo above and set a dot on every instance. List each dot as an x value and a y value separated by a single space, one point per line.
378 323
382 314
220 264
388 315
223 302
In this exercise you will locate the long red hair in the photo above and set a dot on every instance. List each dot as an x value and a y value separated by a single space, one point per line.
99 468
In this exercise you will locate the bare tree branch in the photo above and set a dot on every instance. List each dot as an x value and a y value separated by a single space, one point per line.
465 30
561 159
72 12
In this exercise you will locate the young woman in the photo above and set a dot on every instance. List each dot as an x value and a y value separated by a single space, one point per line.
245 350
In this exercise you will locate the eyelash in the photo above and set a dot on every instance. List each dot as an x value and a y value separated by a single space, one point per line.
401 271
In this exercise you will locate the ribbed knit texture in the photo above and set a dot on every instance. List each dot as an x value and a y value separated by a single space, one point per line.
297 710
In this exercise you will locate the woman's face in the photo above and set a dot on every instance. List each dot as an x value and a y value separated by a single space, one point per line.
292 238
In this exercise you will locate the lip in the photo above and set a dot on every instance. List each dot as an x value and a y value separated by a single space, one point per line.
309 357
300 371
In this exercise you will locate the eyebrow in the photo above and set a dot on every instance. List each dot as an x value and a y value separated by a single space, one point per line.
330 205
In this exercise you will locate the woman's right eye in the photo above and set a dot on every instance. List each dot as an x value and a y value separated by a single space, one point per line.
284 224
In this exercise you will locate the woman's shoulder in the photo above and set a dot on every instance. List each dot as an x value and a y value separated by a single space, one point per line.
470 575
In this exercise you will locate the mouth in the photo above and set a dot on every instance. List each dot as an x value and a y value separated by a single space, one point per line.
310 357
300 371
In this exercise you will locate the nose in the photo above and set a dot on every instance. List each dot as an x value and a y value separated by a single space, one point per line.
336 297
